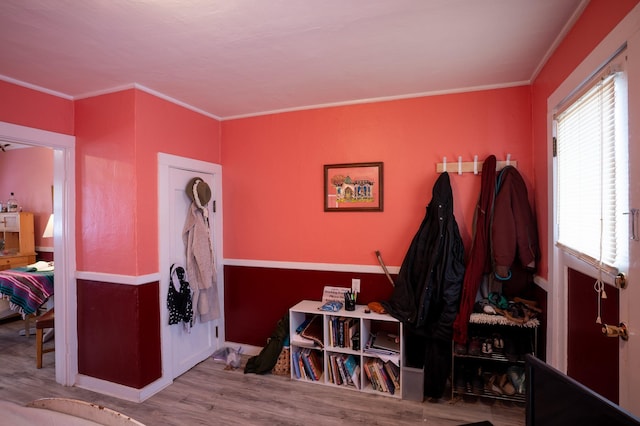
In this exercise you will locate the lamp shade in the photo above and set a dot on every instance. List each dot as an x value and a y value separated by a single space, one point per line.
48 230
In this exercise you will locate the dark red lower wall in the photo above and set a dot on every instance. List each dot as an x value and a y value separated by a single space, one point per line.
256 298
592 358
46 256
119 332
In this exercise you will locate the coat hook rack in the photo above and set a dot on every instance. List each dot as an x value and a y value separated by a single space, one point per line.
474 166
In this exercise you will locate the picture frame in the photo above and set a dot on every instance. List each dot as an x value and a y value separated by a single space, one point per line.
353 187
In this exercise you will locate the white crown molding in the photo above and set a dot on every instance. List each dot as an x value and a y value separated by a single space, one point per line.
36 88
382 99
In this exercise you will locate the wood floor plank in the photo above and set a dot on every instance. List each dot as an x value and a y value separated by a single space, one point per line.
210 395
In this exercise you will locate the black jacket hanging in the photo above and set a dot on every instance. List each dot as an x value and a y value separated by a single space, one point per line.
427 291
179 302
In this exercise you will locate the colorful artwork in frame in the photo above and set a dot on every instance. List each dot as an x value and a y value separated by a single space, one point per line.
353 187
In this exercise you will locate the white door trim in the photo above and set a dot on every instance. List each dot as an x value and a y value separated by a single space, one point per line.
165 163
64 183
627 31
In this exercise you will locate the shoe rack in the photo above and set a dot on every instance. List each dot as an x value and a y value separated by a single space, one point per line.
492 362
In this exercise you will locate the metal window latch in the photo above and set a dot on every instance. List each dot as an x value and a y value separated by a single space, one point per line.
633 216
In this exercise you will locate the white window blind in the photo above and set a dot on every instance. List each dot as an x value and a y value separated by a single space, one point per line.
586 175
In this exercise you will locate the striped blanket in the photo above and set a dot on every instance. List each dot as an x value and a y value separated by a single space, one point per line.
26 289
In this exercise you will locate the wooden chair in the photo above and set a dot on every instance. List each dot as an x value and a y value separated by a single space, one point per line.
43 321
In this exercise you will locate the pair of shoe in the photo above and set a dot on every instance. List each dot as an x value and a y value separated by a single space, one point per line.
498 342
487 347
500 384
517 376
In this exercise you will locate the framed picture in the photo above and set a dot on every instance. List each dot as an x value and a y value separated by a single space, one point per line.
353 187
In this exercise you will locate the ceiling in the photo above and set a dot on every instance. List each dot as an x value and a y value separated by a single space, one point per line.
233 58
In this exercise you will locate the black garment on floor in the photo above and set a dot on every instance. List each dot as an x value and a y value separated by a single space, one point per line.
427 291
265 361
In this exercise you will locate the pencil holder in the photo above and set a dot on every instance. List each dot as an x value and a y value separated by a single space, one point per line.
349 303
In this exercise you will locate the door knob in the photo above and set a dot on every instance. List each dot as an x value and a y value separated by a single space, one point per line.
616 331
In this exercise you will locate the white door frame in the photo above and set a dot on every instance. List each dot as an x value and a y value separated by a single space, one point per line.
627 31
165 163
64 243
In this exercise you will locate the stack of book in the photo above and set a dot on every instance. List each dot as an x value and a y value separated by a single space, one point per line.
383 343
383 376
307 364
343 370
342 330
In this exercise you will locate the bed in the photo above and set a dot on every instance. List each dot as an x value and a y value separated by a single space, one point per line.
27 288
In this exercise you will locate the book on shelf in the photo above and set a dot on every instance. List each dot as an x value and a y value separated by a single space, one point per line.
335 372
341 331
379 372
313 331
306 364
312 363
354 330
343 370
382 377
316 364
371 375
303 372
333 331
386 341
393 371
386 380
353 369
296 366
355 377
347 373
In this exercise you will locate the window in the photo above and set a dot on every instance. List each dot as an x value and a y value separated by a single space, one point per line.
592 156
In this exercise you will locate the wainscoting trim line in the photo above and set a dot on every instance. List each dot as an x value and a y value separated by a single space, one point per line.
118 279
541 282
308 266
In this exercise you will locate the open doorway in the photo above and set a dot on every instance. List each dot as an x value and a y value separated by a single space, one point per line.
63 146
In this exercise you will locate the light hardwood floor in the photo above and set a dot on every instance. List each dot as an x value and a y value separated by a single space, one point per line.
210 395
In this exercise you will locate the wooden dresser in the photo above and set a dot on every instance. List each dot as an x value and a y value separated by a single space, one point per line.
17 234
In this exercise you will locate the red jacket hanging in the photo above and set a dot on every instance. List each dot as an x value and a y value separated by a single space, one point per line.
513 233
478 261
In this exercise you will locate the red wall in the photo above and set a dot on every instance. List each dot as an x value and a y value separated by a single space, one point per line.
162 126
272 291
273 191
106 234
28 172
273 172
597 20
592 357
31 108
119 332
118 138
